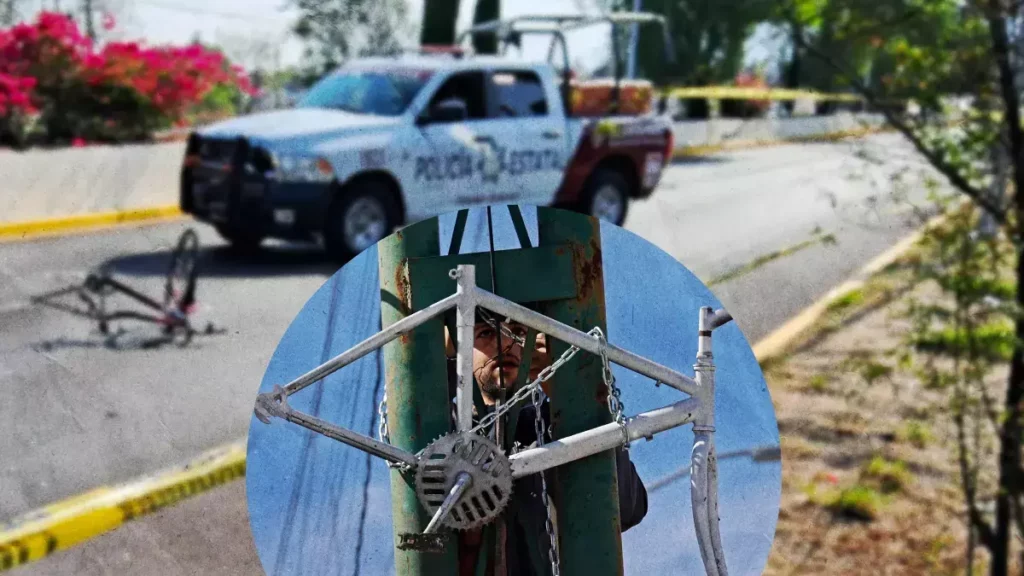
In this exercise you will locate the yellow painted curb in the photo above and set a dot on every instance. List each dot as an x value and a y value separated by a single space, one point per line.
70 522
80 222
776 343
749 144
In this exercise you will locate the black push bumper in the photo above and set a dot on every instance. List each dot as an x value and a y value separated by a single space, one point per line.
224 183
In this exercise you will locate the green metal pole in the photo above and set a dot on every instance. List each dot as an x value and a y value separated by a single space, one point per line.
586 491
416 385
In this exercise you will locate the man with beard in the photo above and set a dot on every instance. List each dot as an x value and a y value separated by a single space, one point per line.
526 545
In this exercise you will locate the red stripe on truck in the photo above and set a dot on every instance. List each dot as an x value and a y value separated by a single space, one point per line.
594 149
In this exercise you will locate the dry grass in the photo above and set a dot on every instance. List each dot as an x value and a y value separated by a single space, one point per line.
870 484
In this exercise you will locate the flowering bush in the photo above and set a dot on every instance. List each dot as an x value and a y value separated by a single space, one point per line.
120 91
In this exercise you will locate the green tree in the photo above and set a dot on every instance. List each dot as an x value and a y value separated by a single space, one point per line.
10 12
862 34
707 40
335 30
932 50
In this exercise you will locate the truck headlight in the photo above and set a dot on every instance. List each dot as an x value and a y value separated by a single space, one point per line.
292 168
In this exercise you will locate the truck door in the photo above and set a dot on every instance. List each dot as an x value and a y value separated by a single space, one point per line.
454 164
528 134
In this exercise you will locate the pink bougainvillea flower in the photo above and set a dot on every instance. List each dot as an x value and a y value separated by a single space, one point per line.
109 23
40 57
78 142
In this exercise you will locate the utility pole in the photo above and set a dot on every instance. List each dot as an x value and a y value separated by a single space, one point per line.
415 373
585 491
87 13
634 39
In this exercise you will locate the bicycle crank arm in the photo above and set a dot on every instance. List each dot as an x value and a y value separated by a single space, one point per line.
458 489
274 405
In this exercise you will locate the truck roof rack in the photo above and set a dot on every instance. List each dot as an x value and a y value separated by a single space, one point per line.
510 31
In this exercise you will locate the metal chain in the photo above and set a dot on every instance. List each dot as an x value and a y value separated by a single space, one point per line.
521 394
538 425
615 405
382 410
382 432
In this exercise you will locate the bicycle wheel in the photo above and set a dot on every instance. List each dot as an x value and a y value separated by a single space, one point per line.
180 287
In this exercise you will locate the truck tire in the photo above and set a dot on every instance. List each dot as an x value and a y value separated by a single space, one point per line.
240 240
606 196
362 214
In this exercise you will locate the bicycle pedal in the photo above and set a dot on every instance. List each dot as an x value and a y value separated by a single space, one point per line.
433 543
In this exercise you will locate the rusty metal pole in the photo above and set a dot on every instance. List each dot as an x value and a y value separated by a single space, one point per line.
416 385
585 491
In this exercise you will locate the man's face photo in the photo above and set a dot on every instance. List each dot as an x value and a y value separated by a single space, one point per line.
488 363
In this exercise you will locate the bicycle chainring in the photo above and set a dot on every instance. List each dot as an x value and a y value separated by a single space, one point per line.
489 491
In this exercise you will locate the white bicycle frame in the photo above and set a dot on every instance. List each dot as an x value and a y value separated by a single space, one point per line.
698 409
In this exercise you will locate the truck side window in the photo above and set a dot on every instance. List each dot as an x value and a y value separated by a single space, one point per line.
519 94
468 87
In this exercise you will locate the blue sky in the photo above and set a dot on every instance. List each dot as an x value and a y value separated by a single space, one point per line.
177 21
319 483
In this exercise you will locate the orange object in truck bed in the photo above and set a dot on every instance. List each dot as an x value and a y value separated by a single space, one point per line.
594 97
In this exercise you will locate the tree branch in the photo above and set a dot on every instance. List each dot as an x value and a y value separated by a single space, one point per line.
1011 99
957 179
968 474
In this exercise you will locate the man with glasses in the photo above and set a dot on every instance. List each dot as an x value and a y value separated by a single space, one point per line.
495 372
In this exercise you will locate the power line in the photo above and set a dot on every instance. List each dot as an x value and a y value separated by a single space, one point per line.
208 12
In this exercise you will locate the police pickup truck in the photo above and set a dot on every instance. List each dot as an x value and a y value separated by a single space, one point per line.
386 141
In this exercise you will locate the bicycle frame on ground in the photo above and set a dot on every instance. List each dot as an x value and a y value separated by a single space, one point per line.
698 409
172 314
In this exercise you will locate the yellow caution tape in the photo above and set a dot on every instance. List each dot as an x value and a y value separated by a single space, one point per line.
740 93
64 524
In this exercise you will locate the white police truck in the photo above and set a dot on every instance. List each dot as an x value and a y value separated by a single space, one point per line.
386 141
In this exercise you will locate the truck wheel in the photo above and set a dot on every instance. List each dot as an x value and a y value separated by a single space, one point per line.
361 215
606 196
240 240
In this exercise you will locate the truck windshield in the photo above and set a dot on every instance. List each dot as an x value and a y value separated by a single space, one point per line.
378 92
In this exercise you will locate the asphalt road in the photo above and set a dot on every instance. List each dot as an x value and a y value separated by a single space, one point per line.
76 414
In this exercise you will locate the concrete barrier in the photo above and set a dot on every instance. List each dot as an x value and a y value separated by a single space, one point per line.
725 131
45 184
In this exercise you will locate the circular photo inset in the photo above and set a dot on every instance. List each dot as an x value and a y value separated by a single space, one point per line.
513 390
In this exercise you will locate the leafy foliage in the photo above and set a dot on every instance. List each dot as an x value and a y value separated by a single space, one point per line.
118 91
707 40
335 30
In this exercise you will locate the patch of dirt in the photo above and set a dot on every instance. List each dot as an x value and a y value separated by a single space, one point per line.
833 424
